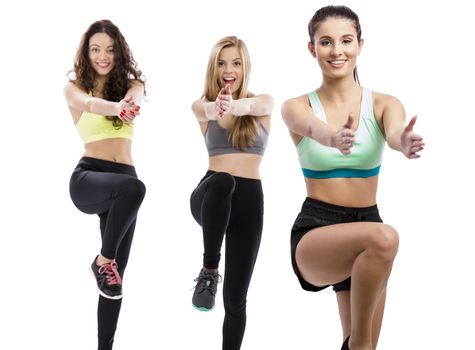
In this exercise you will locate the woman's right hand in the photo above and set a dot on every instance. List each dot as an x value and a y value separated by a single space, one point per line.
128 110
224 101
343 138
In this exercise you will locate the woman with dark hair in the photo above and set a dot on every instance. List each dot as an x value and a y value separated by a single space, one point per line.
229 199
104 97
340 130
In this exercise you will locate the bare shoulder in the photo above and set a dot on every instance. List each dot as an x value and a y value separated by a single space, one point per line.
295 103
70 86
73 92
382 102
296 100
384 99
136 84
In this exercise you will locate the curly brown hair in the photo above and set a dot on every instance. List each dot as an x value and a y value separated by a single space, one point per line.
124 72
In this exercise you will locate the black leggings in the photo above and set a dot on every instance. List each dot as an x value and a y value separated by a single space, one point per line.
112 191
234 205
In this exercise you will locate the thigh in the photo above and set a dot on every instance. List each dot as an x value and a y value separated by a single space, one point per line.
196 198
94 191
215 184
325 255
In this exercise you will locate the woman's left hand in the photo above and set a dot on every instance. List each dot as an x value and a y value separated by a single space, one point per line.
411 143
128 110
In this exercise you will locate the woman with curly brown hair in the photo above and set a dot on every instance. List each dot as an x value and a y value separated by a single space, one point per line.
104 97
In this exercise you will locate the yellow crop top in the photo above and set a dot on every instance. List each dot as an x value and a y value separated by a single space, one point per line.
93 127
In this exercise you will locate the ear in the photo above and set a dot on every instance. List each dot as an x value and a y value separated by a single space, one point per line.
311 48
360 45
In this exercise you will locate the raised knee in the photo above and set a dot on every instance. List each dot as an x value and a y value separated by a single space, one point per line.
134 189
223 183
385 242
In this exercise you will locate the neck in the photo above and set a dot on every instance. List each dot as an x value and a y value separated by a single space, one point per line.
338 89
100 83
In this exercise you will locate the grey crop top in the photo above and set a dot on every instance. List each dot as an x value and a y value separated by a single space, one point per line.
217 141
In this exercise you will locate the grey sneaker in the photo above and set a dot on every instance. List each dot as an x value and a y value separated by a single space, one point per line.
205 290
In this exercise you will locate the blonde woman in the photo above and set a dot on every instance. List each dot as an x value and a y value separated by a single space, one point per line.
229 199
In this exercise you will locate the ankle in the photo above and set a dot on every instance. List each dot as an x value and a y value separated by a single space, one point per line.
352 345
210 270
102 260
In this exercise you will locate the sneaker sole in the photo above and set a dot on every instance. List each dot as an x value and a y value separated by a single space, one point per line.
100 291
201 308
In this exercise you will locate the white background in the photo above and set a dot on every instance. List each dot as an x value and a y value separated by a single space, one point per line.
420 53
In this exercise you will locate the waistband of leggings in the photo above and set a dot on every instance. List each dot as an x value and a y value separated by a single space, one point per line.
105 164
237 178
317 203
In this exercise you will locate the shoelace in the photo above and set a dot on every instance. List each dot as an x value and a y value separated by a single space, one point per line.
212 278
112 275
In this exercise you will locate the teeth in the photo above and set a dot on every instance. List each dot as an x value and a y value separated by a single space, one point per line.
337 62
229 79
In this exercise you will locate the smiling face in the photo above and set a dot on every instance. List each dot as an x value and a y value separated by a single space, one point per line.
101 53
230 68
336 47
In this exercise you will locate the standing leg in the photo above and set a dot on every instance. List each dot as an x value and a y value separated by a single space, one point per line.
378 318
242 245
344 308
108 310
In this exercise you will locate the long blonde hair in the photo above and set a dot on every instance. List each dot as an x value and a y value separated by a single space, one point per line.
244 129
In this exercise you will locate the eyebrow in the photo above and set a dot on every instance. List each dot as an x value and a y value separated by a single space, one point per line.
329 37
107 47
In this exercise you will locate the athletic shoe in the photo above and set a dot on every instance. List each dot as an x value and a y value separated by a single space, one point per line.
109 283
345 344
205 290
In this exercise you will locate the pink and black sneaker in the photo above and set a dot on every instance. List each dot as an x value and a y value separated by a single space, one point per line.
109 283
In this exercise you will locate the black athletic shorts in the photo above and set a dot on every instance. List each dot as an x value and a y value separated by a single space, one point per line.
315 214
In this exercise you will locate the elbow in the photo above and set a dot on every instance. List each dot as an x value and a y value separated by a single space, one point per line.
262 106
270 105
89 105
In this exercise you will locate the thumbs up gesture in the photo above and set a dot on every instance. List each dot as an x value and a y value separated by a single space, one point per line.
343 138
411 143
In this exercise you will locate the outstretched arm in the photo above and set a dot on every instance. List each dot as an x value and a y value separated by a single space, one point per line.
400 137
126 109
258 106
301 121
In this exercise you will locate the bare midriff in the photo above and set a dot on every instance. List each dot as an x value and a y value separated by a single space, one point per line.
237 164
347 192
114 150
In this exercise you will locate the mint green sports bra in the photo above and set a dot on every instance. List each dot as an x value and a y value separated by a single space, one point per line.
323 162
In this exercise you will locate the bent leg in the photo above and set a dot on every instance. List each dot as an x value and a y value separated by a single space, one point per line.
363 250
115 197
211 207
